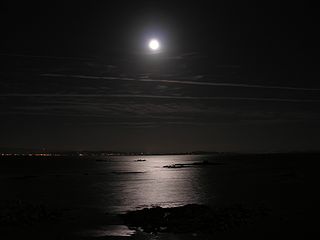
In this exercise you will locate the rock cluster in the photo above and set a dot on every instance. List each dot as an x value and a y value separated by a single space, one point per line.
190 218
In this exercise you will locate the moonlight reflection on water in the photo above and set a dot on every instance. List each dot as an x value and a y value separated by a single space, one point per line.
146 184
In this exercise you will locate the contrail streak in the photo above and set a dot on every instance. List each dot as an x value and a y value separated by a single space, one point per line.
181 82
159 97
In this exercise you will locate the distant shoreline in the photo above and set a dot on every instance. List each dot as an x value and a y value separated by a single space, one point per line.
100 153
115 154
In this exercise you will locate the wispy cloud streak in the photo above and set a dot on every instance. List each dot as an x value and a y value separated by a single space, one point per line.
180 82
47 57
159 97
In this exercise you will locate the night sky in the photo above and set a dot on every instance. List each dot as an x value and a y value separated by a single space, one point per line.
229 77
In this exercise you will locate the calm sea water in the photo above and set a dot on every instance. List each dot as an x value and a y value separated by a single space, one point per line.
96 190
115 184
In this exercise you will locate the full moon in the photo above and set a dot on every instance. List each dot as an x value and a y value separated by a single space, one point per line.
154 44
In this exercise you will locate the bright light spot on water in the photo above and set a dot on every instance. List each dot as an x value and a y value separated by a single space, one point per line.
109 230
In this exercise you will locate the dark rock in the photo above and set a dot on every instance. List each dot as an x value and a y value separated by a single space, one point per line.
184 165
189 218
17 213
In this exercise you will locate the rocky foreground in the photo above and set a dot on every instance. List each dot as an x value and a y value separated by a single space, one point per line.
191 218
